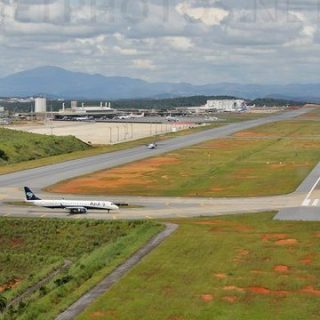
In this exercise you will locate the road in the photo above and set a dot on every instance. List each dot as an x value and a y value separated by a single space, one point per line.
11 184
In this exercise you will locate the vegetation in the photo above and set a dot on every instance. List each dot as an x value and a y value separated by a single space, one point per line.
269 102
16 146
233 267
95 150
92 151
31 249
246 164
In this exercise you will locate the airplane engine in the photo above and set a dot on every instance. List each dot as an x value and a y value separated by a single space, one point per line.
78 211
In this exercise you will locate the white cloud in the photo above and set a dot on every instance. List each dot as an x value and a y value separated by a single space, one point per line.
144 64
213 40
179 43
208 16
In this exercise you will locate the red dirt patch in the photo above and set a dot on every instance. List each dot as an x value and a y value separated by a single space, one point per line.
102 314
217 189
281 268
274 236
113 180
214 222
10 284
265 291
287 242
307 260
230 299
220 276
241 254
206 297
17 242
233 288
311 290
243 228
317 234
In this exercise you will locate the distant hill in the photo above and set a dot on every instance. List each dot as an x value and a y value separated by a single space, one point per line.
56 82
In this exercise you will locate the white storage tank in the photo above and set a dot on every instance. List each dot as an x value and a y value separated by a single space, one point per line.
40 105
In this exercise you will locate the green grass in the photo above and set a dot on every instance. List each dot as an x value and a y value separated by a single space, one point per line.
17 146
8 167
269 160
222 260
12 141
32 248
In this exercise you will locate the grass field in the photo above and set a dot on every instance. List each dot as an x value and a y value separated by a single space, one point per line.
268 160
234 267
30 249
46 159
17 146
6 167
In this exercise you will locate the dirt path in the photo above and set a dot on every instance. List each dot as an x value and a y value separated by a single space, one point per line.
106 284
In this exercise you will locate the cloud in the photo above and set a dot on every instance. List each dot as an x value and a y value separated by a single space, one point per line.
210 16
160 40
144 64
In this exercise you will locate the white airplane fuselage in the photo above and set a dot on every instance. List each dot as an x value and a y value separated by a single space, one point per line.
73 205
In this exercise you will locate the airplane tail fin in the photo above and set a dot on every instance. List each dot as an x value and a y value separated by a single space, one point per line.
30 196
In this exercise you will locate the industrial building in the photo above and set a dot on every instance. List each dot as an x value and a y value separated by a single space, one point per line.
227 105
103 107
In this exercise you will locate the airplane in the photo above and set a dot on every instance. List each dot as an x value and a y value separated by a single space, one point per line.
152 146
81 118
73 206
131 116
171 118
137 116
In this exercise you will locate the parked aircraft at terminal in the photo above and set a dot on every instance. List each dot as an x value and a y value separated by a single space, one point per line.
73 206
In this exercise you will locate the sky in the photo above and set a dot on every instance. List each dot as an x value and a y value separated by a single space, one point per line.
194 41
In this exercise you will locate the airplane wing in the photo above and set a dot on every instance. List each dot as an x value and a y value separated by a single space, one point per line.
76 210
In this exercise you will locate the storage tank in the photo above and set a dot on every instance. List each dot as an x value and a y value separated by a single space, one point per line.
74 105
40 105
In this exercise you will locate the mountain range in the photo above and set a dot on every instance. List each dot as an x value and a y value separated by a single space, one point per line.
55 82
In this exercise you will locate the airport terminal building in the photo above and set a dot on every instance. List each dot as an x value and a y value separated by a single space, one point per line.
228 105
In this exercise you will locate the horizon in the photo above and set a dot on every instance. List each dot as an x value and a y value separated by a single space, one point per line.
188 41
124 76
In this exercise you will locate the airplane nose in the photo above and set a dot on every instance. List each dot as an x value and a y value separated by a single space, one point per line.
114 207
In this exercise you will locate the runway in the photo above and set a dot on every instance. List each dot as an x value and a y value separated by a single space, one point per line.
158 208
41 177
308 209
152 207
